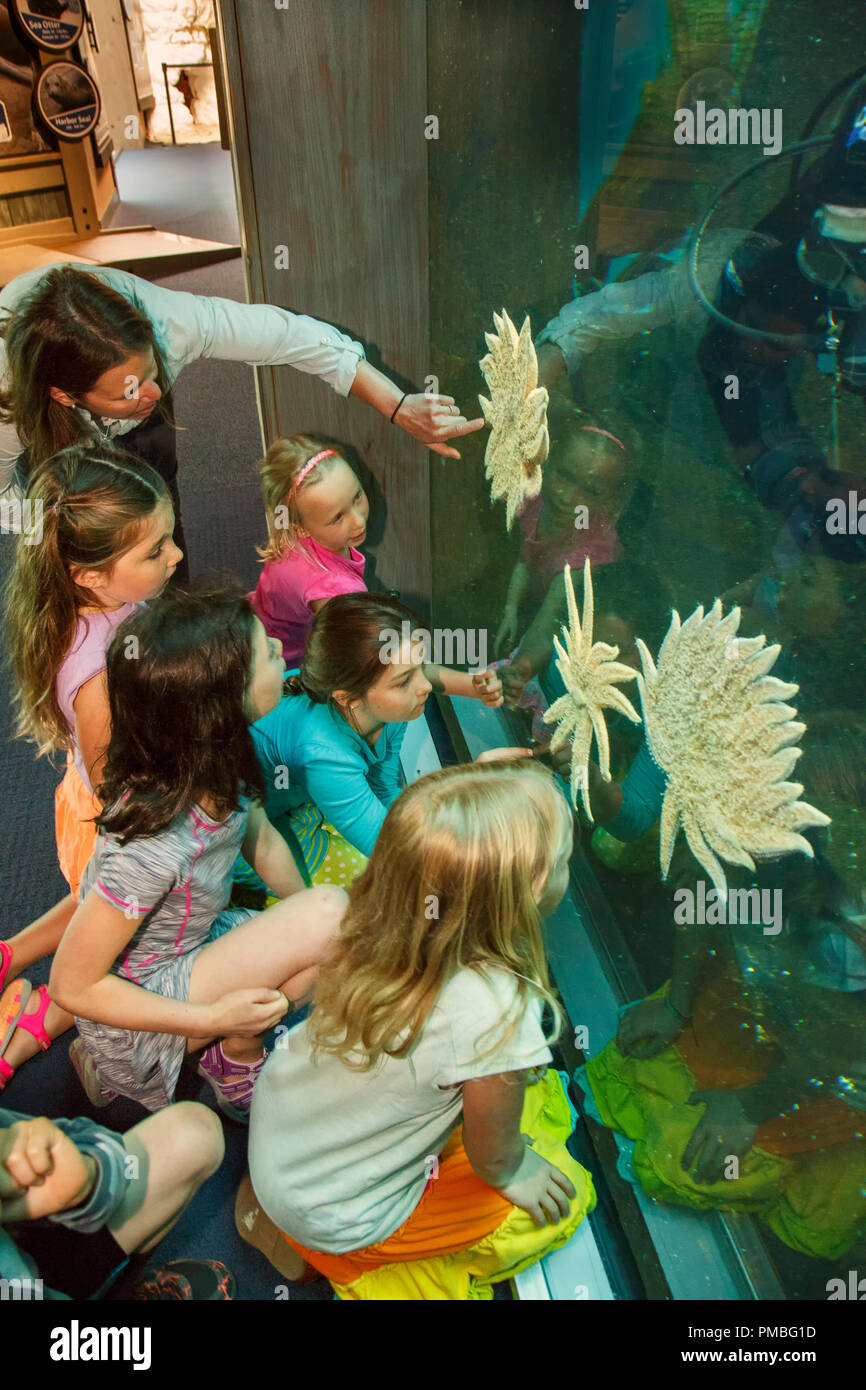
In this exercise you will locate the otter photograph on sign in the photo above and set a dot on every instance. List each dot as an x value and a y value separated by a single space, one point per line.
67 101
54 25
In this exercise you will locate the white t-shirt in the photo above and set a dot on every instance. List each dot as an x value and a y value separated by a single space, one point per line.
339 1159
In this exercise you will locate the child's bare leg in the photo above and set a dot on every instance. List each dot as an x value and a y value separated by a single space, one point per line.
175 1151
279 949
42 937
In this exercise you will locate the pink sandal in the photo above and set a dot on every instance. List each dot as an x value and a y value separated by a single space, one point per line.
5 962
12 1016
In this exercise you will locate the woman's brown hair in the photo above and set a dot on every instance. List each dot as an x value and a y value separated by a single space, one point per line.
67 333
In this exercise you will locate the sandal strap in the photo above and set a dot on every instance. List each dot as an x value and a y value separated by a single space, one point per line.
5 962
34 1024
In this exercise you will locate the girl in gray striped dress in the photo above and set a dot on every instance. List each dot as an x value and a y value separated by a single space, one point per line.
154 964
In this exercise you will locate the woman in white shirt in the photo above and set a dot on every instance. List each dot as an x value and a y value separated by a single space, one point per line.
94 354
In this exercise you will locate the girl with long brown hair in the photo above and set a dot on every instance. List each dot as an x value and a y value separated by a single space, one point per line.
106 546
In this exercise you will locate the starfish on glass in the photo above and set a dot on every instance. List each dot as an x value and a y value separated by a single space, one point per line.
717 725
516 414
591 674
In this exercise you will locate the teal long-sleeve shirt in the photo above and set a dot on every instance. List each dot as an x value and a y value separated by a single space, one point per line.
309 753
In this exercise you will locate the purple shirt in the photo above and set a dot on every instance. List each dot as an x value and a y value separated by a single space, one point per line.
84 660
288 586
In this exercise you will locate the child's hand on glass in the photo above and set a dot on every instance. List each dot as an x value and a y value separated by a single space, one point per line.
540 1189
498 755
248 1013
488 688
514 678
506 633
647 1029
41 1171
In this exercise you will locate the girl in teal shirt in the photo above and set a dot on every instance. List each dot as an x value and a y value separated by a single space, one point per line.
330 750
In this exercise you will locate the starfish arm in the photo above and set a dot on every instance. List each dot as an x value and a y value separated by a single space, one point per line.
649 666
601 738
669 825
588 608
616 700
704 855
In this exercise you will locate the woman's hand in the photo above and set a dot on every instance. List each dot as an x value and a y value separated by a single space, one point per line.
497 755
247 1013
515 677
49 1174
488 688
433 419
724 1131
647 1029
540 1189
506 633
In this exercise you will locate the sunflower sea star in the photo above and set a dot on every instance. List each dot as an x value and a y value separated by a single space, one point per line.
517 415
591 673
717 726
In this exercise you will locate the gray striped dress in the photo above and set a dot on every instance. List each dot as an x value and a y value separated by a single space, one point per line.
178 883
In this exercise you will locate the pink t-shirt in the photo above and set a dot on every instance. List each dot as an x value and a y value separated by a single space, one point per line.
289 585
84 660
570 546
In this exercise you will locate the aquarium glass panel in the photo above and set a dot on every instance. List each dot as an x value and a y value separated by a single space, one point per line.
623 176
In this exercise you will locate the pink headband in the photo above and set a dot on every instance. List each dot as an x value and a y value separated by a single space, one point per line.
311 463
593 429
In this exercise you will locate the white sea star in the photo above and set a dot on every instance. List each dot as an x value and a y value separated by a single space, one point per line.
591 674
517 415
717 726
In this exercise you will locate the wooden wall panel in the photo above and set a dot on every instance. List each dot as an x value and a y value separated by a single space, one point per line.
327 103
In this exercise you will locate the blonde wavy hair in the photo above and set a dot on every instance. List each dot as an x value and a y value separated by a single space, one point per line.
277 473
452 884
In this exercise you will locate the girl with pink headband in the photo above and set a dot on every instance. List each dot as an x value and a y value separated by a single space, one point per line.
317 516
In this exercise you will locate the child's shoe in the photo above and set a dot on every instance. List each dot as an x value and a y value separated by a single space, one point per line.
257 1229
88 1074
232 1082
200 1281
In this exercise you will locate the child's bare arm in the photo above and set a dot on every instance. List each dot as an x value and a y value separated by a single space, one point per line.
500 1155
266 851
81 979
492 1106
93 725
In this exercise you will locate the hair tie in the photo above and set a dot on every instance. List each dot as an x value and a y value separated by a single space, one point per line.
594 429
54 508
311 463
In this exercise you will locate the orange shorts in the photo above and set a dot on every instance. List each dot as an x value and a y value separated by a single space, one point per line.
74 808
456 1211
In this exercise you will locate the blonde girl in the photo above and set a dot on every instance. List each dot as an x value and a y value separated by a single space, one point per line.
317 516
393 1140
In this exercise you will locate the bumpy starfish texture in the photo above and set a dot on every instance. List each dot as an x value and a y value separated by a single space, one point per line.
517 415
591 673
717 725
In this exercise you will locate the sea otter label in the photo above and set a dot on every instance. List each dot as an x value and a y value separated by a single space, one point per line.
53 25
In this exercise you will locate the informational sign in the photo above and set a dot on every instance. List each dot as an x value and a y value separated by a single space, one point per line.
66 100
53 25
